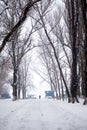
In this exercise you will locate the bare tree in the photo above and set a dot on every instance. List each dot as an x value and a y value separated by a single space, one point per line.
42 14
50 65
72 18
20 46
84 27
22 18
17 50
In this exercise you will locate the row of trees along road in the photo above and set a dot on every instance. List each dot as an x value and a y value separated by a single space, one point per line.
62 34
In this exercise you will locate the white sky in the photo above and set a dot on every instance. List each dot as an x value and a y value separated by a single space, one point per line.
40 85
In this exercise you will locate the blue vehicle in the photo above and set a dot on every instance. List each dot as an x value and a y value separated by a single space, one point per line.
5 96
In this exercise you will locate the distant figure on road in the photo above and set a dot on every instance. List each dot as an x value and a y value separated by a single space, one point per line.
39 96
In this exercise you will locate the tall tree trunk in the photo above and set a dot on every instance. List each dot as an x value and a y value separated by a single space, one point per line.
62 89
84 15
19 84
74 23
19 90
15 85
58 86
15 72
24 92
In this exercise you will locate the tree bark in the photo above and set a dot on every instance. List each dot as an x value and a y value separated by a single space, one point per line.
15 84
84 16
73 23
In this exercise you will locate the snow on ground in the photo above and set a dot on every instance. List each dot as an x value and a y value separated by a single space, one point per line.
44 114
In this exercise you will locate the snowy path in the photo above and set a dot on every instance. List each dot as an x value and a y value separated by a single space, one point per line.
42 115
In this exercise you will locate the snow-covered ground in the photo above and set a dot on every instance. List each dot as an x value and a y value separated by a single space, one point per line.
44 114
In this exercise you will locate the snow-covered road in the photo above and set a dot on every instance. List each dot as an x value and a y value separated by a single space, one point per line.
42 114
